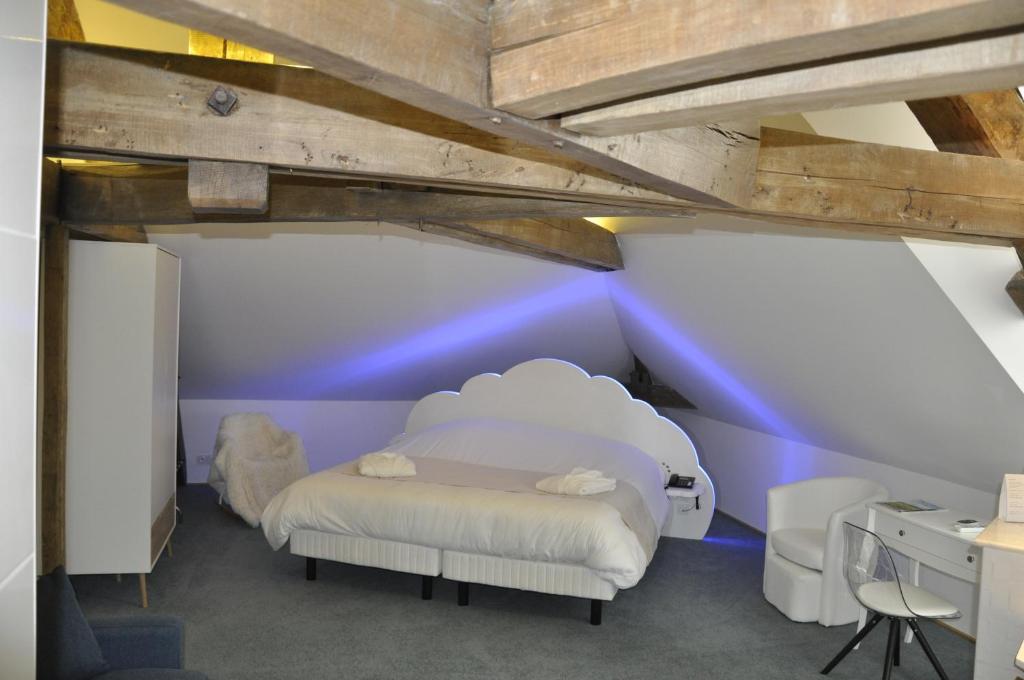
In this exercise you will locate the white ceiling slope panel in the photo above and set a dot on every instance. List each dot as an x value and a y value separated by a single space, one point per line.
843 343
364 311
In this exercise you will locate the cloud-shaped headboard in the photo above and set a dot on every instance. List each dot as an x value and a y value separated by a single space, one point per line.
558 394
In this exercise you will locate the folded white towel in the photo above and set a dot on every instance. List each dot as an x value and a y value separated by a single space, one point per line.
386 465
579 482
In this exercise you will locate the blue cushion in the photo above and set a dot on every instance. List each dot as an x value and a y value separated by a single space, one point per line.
151 674
66 648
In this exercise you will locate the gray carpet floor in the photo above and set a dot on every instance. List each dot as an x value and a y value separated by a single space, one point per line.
698 613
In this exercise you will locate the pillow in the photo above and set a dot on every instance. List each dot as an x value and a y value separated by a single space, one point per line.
66 648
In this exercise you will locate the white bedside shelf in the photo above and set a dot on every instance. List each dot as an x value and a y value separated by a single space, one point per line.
695 492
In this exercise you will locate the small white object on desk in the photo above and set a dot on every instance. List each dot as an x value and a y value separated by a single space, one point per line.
1011 499
1020 657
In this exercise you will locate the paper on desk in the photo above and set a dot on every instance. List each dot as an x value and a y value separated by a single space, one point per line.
1011 499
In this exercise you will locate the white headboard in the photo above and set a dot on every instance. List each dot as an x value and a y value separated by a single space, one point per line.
558 394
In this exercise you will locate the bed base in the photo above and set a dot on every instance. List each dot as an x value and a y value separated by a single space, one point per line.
464 568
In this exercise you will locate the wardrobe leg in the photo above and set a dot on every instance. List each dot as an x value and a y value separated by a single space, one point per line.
595 612
861 634
890 649
427 592
310 568
142 591
463 593
927 648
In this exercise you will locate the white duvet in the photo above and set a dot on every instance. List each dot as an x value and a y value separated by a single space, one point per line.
528 526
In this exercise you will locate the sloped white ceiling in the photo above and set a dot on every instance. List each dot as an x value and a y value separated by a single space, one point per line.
843 343
365 311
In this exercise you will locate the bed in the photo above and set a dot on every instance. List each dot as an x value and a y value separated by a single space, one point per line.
471 513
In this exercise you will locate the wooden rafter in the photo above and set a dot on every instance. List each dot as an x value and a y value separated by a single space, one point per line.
983 124
441 67
131 103
916 192
930 71
652 45
154 195
112 201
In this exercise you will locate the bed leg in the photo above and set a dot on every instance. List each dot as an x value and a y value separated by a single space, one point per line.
310 568
463 593
595 612
427 593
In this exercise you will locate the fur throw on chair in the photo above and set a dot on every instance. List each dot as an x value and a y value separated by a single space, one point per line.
254 459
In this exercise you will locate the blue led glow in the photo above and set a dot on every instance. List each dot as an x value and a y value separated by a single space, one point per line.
462 331
684 349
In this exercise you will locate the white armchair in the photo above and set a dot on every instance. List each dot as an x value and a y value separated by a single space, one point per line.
254 459
803 562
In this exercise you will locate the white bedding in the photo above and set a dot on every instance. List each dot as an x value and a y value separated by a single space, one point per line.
527 526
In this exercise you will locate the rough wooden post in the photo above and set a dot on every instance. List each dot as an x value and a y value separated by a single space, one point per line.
54 349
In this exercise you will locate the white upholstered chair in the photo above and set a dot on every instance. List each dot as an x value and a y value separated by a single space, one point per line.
803 565
254 459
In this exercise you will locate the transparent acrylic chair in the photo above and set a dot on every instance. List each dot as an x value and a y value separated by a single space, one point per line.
871 574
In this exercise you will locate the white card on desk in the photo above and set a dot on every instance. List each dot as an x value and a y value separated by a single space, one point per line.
1011 499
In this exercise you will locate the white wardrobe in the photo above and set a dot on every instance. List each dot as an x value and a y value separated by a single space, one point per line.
122 406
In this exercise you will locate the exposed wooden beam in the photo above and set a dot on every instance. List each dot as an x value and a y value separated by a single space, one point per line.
973 65
154 195
913 191
238 188
123 233
130 103
102 201
53 348
654 45
981 123
1015 289
441 67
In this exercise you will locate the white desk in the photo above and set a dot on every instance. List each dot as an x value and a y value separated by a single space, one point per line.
928 538
1019 661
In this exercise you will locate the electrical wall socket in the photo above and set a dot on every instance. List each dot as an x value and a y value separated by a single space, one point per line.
203 460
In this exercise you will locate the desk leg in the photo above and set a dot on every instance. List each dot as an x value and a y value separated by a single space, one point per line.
915 577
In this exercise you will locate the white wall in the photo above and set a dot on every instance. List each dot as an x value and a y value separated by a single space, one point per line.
332 431
842 343
21 71
364 311
744 464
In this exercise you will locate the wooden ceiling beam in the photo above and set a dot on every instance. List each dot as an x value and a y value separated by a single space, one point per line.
111 202
913 191
656 45
982 64
434 56
983 124
130 103
154 195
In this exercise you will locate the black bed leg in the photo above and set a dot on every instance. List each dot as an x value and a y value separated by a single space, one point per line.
595 612
463 593
427 592
310 568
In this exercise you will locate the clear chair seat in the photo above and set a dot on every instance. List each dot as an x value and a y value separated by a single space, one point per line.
885 598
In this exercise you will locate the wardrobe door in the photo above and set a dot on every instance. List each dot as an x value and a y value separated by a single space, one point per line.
165 401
